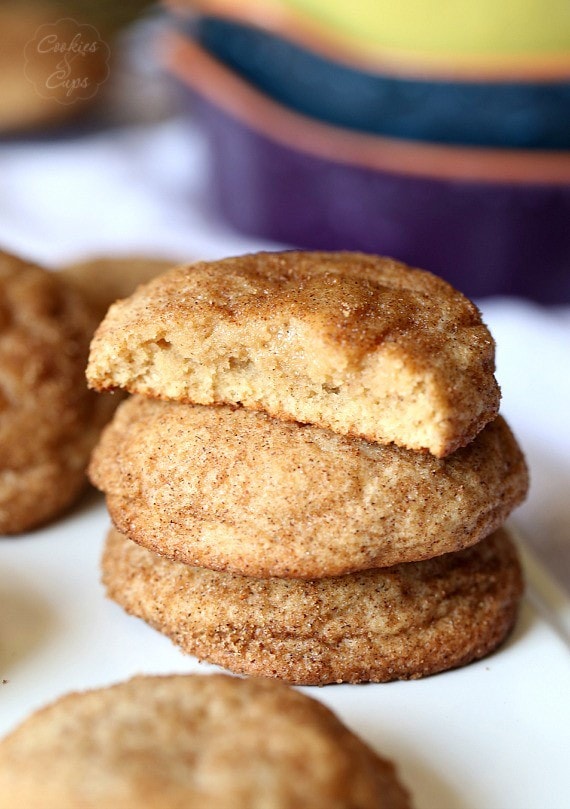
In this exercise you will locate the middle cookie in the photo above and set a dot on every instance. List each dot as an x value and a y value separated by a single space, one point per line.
234 489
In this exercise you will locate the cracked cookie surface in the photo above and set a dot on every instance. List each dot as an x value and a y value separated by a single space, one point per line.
358 344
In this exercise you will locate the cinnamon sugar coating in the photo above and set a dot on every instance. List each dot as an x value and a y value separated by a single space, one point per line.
232 489
358 344
402 622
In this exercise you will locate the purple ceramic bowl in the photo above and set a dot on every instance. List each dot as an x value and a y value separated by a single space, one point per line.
509 236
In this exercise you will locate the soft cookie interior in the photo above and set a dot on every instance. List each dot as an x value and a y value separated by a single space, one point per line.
361 345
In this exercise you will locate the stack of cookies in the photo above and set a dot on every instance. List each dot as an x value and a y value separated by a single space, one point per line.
311 478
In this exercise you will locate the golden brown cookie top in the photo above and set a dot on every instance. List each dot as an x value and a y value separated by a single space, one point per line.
185 742
360 344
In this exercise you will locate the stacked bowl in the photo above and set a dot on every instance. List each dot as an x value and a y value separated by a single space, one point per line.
443 140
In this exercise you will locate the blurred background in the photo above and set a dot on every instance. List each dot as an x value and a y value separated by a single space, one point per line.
436 133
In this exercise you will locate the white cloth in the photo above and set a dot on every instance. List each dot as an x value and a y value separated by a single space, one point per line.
124 190
140 190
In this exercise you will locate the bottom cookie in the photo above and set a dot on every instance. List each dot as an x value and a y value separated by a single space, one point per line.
189 742
402 622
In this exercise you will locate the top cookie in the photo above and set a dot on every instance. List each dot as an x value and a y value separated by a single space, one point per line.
190 742
49 420
361 345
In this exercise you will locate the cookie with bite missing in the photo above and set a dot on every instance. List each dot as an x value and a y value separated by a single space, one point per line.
361 345
401 622
49 420
234 489
190 742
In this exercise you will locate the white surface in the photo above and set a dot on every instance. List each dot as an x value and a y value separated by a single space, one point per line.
493 735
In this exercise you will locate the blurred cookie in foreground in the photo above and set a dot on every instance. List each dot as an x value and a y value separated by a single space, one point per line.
234 489
189 742
104 280
403 622
361 345
49 421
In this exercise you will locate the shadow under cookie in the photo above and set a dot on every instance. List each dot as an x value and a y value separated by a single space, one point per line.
402 622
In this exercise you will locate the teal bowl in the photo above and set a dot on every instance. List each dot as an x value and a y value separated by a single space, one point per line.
522 114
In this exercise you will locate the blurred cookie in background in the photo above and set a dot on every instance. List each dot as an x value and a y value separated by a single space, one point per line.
103 280
49 421
397 623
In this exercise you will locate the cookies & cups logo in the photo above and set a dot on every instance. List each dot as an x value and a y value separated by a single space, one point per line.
67 61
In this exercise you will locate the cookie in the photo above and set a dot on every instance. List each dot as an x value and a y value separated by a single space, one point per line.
402 622
233 489
357 344
190 742
49 420
105 280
